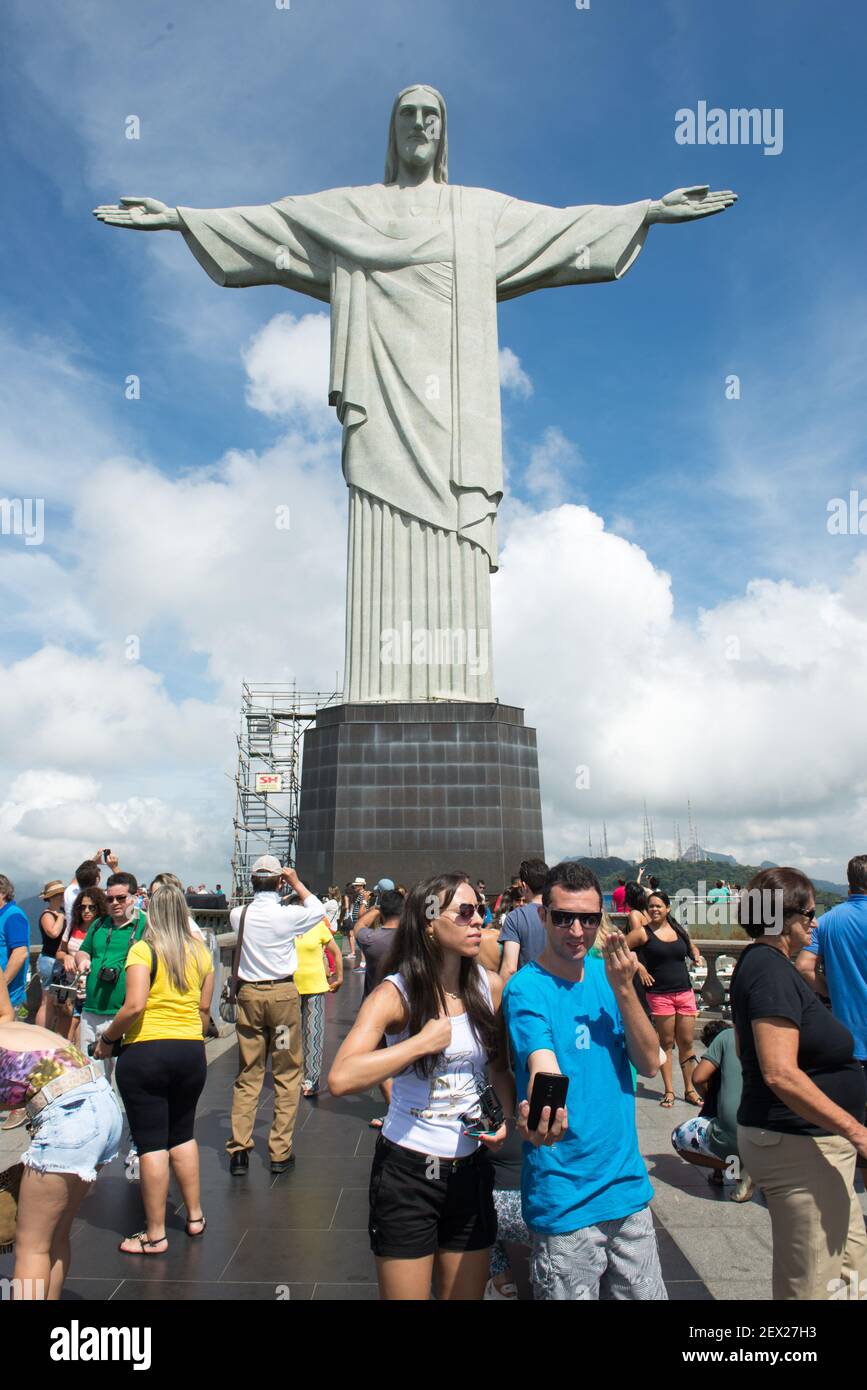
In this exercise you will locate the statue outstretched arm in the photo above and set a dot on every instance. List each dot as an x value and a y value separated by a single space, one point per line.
237 247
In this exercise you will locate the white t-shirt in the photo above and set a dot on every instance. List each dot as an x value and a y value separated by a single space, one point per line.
268 949
424 1113
70 894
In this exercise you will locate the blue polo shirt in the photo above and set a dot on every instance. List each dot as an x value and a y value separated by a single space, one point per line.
840 938
595 1172
14 932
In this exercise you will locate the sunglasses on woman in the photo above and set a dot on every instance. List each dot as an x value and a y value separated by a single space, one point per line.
466 912
88 907
559 918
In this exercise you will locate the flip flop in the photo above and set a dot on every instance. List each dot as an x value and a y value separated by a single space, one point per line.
142 1238
667 1100
698 1100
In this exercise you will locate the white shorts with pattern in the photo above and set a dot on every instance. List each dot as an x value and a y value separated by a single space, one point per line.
614 1260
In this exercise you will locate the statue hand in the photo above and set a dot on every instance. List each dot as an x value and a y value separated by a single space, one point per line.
141 214
685 204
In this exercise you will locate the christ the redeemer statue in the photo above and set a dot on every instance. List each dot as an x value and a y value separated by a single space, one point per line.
413 268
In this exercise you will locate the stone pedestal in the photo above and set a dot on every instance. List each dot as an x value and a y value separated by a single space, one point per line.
408 790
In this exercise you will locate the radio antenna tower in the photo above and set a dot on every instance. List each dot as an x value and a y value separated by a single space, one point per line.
694 853
678 843
648 850
589 843
604 840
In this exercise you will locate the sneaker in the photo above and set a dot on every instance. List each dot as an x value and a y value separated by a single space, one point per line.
507 1294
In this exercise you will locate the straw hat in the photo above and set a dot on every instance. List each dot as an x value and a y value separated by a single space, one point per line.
54 886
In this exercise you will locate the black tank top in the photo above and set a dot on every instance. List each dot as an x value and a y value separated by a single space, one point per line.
666 962
49 943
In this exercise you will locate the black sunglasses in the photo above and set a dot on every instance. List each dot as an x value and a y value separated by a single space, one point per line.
466 912
563 919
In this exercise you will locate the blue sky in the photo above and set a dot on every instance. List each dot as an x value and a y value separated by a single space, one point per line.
240 102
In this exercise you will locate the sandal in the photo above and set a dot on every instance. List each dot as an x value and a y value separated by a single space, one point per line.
144 1244
667 1100
196 1221
688 1097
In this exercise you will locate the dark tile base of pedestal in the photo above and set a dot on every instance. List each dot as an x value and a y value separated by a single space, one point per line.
408 790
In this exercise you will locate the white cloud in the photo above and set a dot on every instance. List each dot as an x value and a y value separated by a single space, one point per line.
754 712
73 713
242 564
50 821
54 419
550 473
287 364
512 375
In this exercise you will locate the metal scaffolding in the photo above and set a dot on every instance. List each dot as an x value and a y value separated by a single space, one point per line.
274 718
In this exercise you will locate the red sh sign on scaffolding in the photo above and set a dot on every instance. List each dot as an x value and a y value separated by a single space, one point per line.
269 782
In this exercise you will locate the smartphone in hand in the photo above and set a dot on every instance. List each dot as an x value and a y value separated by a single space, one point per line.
549 1088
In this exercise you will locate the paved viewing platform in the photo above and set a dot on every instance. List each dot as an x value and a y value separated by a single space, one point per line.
304 1234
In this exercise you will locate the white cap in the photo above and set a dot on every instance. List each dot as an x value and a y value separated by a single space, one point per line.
268 864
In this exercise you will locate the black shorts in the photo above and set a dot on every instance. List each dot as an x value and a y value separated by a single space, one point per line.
160 1083
420 1204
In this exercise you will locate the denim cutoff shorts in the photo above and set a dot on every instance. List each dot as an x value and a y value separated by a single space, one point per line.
45 966
77 1133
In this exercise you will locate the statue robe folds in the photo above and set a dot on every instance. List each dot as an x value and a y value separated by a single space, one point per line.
415 382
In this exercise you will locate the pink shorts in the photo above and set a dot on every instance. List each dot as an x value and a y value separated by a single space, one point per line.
678 1001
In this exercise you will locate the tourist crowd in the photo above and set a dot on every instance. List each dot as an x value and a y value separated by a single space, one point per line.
505 1034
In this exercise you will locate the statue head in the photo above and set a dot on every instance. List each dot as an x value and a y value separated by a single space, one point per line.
417 133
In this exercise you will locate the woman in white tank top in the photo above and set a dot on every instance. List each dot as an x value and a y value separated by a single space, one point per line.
438 1012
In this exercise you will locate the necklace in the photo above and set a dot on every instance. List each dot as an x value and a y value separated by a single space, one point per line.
452 995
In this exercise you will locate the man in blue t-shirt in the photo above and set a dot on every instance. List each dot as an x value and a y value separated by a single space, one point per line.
522 935
584 1186
835 962
14 943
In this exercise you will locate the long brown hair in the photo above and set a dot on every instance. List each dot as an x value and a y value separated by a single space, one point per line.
100 909
417 957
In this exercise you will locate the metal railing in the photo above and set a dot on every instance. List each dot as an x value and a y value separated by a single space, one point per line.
713 993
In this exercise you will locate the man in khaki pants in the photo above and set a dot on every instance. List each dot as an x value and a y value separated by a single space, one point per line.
269 1016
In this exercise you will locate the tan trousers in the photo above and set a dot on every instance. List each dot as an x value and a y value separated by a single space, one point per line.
816 1222
269 1023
